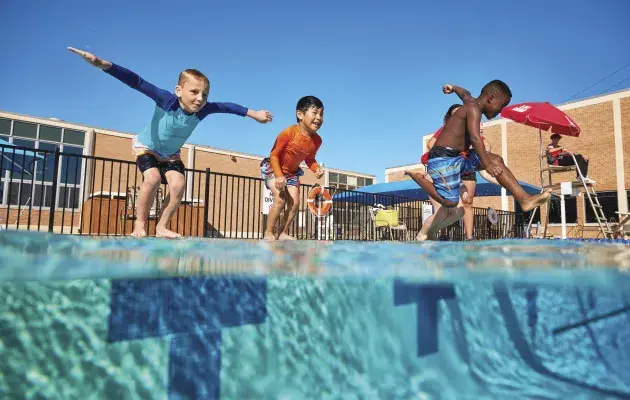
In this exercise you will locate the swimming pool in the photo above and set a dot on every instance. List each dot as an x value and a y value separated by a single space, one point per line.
232 319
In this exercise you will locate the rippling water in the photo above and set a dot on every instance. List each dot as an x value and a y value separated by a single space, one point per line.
168 319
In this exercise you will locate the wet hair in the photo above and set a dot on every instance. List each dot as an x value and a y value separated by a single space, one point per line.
192 74
496 86
307 102
450 111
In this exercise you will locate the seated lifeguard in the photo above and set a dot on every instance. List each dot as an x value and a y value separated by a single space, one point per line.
556 155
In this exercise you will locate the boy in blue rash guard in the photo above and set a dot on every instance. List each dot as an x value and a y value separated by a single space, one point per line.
157 147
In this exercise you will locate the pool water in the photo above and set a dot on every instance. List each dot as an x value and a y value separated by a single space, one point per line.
90 318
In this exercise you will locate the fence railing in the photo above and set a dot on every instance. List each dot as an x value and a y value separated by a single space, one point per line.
68 193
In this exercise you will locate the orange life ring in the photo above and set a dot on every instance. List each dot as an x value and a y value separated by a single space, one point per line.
327 203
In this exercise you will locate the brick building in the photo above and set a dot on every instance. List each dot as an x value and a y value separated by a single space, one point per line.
91 174
604 139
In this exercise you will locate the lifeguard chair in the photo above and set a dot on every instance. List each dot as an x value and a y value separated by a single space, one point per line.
545 116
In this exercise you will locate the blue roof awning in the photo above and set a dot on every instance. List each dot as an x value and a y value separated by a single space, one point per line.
408 190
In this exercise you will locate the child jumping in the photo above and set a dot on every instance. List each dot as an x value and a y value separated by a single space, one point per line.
281 170
157 147
450 157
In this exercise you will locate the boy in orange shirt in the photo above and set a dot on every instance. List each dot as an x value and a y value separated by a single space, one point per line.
281 170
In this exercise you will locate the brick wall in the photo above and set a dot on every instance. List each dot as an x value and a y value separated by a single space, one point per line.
399 175
108 176
30 218
493 136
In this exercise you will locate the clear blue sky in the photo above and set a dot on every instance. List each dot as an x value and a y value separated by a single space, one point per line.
378 66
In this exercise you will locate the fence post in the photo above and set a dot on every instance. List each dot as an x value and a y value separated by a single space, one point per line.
206 202
53 195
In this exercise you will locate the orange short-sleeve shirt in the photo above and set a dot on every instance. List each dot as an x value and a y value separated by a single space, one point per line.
291 148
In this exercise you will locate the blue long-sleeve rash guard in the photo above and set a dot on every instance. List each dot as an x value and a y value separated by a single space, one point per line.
170 126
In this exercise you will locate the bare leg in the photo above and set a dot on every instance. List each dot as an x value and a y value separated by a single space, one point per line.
467 203
434 223
293 203
176 182
424 231
279 197
434 203
507 180
148 188
428 187
485 175
444 217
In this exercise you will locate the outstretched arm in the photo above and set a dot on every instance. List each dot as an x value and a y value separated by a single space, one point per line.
129 78
462 93
261 116
92 59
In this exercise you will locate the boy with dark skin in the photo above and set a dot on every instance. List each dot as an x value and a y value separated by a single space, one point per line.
449 157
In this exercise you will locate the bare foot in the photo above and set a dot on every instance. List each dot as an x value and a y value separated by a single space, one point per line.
532 202
139 232
269 236
165 233
284 236
431 235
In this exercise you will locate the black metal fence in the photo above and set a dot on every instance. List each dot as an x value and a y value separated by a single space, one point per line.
77 194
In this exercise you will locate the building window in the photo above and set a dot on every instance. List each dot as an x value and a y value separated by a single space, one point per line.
32 183
527 215
24 129
5 127
570 210
50 134
608 201
347 182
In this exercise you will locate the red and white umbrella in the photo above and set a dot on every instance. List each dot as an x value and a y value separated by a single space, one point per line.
543 116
